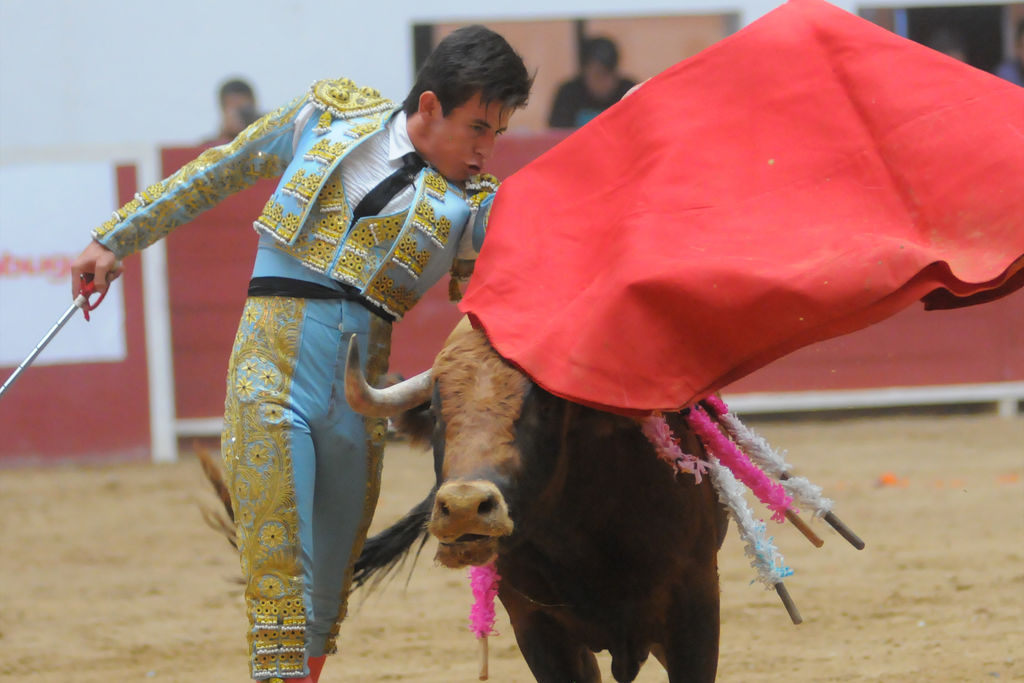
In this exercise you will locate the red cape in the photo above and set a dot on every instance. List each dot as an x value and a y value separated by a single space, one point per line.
806 177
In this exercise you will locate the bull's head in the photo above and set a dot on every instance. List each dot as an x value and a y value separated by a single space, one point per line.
476 398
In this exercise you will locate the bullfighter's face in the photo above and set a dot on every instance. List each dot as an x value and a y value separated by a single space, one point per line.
459 143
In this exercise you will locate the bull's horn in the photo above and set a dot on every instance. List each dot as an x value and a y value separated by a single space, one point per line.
372 402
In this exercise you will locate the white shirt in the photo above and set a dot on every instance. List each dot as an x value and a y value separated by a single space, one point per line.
372 161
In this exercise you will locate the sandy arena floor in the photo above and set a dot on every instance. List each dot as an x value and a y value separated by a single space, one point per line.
109 574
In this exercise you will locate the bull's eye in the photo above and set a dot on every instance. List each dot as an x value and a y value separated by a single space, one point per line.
444 509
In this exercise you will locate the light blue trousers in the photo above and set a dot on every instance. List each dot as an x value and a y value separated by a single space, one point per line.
303 468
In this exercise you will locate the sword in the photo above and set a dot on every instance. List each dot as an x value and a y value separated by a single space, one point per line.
86 290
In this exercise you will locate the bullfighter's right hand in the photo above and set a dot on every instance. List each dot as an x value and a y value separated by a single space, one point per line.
100 262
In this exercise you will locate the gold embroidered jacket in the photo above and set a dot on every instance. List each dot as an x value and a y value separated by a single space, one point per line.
391 259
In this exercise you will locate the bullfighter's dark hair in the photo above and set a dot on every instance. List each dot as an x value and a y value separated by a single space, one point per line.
473 59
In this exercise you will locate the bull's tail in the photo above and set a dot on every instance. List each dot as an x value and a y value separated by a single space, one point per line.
222 522
388 550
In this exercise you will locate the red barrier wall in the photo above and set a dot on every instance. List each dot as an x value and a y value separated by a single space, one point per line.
84 410
973 345
209 262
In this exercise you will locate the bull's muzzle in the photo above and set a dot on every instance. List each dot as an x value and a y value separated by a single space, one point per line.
468 519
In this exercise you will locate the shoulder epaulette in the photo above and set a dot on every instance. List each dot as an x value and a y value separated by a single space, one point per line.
343 99
481 183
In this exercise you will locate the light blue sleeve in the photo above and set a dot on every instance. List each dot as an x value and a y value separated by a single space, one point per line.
263 150
481 190
479 226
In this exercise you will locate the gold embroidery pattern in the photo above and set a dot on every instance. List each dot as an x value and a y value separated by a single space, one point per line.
312 251
437 229
274 220
444 230
476 200
119 215
152 193
129 208
325 151
303 185
482 182
158 219
374 231
257 458
351 268
107 226
332 197
323 124
395 299
292 183
359 256
331 228
481 187
411 258
435 185
344 99
378 350
360 129
289 226
197 186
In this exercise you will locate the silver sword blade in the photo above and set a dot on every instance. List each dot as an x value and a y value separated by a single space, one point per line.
80 301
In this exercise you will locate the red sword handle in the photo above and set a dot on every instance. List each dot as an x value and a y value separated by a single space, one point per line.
86 290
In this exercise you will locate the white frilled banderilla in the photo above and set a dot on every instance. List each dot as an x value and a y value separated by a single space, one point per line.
738 460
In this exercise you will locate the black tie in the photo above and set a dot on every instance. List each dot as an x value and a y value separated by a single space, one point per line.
377 198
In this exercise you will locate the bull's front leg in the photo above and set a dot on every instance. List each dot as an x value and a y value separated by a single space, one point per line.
690 653
550 651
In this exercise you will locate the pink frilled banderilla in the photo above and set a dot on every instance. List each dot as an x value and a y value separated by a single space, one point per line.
483 581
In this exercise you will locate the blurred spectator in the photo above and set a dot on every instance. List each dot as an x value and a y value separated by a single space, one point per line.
597 87
948 42
237 110
1013 68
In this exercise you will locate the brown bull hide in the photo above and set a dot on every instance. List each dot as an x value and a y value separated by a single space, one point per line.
481 398
600 546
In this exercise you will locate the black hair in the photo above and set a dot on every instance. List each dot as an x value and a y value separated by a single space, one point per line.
470 60
235 86
601 50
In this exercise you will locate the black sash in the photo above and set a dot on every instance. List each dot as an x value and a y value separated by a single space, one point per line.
302 289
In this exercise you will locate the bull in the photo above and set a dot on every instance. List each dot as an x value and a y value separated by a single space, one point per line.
599 545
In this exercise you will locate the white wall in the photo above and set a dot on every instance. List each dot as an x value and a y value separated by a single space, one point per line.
107 78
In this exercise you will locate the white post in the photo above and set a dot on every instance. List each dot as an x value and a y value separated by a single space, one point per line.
159 357
1007 406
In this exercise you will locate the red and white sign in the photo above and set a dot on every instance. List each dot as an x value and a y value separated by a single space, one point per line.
45 211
